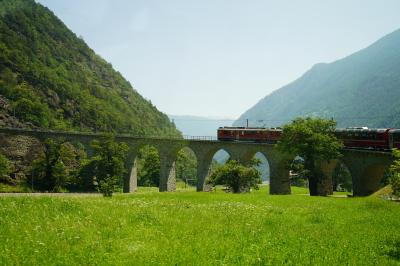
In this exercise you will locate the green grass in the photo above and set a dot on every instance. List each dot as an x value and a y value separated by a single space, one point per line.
189 228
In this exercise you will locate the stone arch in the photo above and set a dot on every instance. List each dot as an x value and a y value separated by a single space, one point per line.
222 155
367 169
371 178
135 161
204 163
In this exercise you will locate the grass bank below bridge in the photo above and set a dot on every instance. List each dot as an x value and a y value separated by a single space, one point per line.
189 228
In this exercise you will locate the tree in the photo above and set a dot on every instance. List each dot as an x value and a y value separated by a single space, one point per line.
312 139
57 167
341 178
48 171
394 173
107 164
5 168
237 177
186 166
148 167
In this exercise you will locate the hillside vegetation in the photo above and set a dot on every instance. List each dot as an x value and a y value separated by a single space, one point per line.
50 78
189 228
362 89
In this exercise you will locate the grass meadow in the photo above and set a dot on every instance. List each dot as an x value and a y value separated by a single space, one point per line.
189 228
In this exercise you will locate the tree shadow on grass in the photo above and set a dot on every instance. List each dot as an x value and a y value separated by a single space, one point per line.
393 250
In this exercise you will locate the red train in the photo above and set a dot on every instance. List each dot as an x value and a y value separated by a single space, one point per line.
360 137
256 134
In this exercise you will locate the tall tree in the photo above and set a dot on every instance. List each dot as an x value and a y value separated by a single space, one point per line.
57 167
107 164
314 140
149 167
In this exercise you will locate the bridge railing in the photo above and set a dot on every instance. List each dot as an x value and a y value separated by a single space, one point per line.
38 131
200 138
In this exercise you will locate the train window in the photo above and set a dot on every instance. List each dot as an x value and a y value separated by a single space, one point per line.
364 135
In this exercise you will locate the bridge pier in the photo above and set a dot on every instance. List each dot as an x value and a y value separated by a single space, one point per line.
167 173
366 178
279 181
325 182
133 176
130 178
203 171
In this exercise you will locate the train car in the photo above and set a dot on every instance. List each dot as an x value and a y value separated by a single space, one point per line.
394 138
353 138
364 138
257 134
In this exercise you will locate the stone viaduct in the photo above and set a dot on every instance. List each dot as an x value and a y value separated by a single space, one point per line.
366 167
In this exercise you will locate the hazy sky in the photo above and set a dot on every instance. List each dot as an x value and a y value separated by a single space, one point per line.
220 57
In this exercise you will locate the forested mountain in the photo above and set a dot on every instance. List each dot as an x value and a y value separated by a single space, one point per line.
362 89
50 78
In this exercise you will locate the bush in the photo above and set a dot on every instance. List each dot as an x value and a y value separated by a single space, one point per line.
237 177
108 185
5 168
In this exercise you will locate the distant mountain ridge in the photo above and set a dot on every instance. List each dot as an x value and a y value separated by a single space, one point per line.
362 89
50 78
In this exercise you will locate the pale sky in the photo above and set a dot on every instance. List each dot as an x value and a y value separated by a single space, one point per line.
220 57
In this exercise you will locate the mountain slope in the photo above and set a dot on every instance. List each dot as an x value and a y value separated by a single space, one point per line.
361 89
50 78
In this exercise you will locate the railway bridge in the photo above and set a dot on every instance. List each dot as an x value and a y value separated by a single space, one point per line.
366 167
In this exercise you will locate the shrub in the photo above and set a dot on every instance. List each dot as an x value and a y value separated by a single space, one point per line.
237 177
108 185
5 168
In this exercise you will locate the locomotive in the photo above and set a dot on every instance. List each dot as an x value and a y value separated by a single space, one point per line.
353 137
